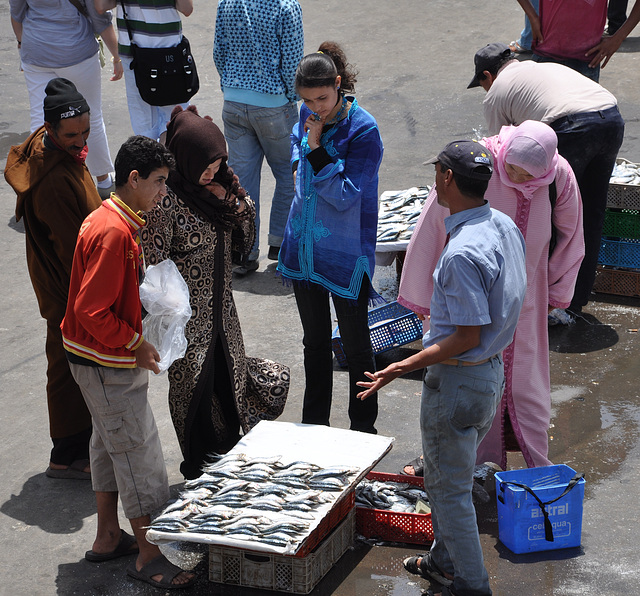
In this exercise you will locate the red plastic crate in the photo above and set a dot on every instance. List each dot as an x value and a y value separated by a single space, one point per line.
394 526
330 521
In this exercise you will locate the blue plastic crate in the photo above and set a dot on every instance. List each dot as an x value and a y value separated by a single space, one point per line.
620 253
520 518
390 326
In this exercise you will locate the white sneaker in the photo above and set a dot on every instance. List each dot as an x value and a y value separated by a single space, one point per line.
559 316
105 191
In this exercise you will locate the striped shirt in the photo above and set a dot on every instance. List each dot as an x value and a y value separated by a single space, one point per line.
153 24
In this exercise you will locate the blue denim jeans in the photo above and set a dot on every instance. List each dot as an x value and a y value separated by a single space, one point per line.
578 65
590 143
353 320
526 36
457 409
254 133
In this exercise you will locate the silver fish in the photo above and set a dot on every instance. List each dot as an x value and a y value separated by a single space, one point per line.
254 475
294 482
207 528
218 460
268 460
299 506
334 471
301 464
233 486
273 489
265 506
292 473
327 484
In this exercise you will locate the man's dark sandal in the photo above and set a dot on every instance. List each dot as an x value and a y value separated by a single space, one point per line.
428 570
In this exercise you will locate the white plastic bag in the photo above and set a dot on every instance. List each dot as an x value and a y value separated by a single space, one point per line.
165 296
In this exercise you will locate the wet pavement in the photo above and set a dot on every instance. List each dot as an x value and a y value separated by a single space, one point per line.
415 59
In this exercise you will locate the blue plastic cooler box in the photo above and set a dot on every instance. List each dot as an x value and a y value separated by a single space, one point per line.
521 523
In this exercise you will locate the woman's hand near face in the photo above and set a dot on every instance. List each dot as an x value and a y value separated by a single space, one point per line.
314 128
221 192
218 190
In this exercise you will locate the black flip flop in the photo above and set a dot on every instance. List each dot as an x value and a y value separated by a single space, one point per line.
418 467
160 566
122 550
73 472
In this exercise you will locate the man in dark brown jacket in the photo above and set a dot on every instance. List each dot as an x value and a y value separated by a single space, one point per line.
55 194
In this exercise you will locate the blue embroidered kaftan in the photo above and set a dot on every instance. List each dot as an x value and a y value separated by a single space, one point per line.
330 238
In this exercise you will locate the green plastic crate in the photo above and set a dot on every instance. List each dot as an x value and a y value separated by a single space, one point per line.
622 224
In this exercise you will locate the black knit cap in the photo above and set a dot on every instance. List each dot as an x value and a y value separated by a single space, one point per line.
62 100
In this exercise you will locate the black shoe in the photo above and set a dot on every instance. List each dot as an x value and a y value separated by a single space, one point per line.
247 266
274 251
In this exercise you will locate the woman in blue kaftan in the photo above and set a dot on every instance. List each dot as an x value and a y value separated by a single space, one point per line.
330 238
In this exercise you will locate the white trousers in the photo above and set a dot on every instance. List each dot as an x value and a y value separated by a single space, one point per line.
86 77
146 120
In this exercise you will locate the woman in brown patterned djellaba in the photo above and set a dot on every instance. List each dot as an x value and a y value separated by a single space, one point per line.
213 395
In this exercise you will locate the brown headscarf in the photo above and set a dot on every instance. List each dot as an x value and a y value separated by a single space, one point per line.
197 142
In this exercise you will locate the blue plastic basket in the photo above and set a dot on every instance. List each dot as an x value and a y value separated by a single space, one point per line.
390 326
521 523
619 253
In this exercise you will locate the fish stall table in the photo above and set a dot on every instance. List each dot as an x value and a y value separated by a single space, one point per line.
275 446
398 214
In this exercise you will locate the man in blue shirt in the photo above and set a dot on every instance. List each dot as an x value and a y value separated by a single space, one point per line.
479 287
258 45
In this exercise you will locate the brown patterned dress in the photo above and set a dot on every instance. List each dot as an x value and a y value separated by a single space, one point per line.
207 387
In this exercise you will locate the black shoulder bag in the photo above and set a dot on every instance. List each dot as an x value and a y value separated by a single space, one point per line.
164 76
553 196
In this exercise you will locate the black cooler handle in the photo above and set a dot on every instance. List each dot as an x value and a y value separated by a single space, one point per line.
548 530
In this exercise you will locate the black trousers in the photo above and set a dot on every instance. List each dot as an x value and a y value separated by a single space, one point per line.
590 143
315 315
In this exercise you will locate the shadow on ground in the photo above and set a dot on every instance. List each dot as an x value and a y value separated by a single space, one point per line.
67 504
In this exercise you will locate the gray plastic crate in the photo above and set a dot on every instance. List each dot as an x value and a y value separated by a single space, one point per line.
295 575
623 196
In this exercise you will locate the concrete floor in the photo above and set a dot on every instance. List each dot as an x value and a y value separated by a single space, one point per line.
415 59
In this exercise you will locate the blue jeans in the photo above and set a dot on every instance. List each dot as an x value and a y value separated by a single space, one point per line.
526 36
590 143
254 133
457 409
578 65
353 320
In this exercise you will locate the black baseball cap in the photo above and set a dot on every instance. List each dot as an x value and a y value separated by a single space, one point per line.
486 58
467 158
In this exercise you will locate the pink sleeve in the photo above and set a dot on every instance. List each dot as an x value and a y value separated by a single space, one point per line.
567 256
427 241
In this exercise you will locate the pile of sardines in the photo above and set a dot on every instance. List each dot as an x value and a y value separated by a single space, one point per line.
625 172
389 495
398 213
256 499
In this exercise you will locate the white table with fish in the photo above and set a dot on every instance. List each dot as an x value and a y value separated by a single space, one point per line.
398 213
273 489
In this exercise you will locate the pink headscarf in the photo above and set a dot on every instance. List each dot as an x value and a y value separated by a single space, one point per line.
531 146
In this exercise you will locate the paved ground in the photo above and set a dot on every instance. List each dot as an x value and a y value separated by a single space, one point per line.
415 60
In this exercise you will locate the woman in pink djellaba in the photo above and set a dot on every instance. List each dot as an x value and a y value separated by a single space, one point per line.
537 188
